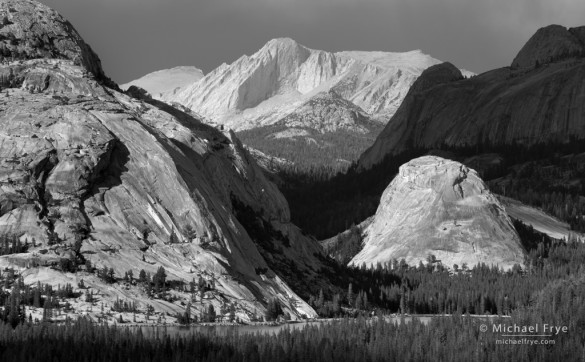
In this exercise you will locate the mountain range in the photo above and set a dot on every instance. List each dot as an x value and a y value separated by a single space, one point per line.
290 101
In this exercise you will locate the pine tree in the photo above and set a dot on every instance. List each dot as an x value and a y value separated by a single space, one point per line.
188 313
173 239
209 314
232 313
142 277
159 280
47 310
350 296
190 233
111 278
89 296
321 300
37 296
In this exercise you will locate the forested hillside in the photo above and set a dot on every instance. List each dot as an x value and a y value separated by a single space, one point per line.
548 175
313 153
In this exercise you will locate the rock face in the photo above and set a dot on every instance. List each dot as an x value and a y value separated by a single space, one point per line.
440 207
549 44
31 30
166 80
522 104
329 112
139 185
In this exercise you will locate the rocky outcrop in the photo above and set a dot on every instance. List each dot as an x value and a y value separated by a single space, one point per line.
439 207
549 44
523 104
139 185
329 112
31 30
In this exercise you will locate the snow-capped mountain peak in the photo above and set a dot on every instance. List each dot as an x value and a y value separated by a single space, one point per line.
262 88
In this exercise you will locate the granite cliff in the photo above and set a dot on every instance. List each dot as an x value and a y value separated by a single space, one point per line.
93 176
538 99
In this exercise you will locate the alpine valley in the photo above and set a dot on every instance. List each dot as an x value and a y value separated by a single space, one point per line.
398 203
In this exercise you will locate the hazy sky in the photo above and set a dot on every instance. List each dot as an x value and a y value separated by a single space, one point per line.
135 37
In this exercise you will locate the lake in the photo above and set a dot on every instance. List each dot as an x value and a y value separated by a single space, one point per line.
153 330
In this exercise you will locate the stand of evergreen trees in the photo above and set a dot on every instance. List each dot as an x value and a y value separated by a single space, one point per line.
454 338
11 244
431 288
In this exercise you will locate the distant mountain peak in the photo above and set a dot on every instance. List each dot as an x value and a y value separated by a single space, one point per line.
267 84
286 50
283 42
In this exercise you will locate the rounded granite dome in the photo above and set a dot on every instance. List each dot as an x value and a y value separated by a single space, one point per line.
31 30
549 44
440 207
437 74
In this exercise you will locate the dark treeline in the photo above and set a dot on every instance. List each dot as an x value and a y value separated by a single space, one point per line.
555 185
430 288
455 338
324 205
547 175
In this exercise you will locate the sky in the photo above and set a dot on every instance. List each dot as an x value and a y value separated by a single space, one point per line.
136 37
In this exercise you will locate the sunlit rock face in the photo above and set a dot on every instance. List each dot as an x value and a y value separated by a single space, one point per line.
141 185
440 207
29 30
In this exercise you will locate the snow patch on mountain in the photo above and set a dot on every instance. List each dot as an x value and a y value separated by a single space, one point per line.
166 80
